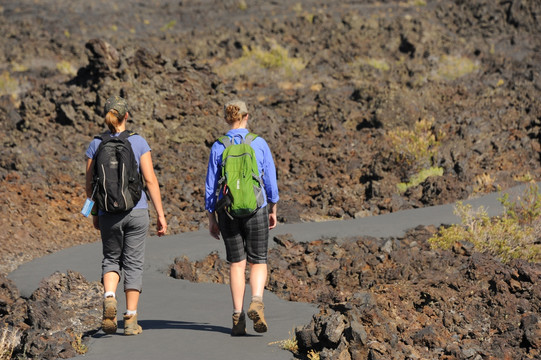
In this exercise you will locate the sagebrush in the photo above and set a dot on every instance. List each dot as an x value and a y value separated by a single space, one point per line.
513 235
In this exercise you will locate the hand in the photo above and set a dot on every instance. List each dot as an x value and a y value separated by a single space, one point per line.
96 221
214 229
272 216
161 225
272 221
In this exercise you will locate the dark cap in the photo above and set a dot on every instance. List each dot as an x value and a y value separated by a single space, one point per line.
116 103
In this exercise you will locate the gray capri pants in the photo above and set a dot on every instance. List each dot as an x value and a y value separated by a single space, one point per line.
123 239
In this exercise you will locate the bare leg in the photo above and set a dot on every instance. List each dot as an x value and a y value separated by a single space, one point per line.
110 281
237 284
132 299
258 278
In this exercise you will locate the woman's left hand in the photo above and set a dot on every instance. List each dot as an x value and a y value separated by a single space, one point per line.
96 221
161 225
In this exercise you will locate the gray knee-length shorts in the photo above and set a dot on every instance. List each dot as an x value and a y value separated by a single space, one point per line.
246 238
123 242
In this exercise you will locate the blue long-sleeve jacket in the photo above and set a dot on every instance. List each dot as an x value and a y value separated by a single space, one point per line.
265 164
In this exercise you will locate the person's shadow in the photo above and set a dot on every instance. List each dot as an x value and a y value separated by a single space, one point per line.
173 325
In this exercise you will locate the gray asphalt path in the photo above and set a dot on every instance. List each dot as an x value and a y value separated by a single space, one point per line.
183 320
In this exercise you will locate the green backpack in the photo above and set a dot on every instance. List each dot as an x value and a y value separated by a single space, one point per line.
240 183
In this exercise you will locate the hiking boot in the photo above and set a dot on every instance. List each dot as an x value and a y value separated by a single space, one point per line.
131 327
239 324
109 324
255 313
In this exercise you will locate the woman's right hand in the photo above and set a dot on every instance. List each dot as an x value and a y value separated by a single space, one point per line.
214 229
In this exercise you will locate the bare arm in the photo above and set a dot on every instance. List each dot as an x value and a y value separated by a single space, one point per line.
153 186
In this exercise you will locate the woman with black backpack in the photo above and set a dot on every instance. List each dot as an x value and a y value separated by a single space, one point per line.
121 210
245 230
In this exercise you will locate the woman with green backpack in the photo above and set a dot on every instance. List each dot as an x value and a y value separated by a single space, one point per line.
241 193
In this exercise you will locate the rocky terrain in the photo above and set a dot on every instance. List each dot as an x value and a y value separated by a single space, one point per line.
399 299
333 87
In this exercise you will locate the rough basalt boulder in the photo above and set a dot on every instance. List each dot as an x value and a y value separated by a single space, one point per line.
56 320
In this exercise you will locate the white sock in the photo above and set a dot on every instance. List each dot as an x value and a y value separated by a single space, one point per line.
109 294
131 312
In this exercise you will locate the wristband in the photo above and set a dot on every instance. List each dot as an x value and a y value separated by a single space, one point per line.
94 213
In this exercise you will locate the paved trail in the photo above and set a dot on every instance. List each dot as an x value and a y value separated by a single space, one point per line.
183 320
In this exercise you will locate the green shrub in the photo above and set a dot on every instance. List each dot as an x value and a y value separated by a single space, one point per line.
8 85
416 147
414 152
510 236
527 210
420 177
168 26
255 58
66 68
453 67
289 344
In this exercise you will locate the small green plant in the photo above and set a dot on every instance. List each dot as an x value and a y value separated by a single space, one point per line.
276 57
526 178
168 26
526 210
420 177
289 344
66 68
78 344
9 340
454 67
313 355
255 58
414 152
8 85
510 236
416 147
379 64
484 183
242 5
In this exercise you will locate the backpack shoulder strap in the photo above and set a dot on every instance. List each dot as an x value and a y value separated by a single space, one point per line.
103 135
249 138
225 140
126 134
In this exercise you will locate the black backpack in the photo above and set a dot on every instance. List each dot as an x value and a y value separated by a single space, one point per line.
117 183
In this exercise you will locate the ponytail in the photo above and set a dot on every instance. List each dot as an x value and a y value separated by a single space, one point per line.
112 120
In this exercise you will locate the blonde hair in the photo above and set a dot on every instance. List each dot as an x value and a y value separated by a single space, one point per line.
233 114
113 120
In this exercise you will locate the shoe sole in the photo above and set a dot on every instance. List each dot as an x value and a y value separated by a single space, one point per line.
109 323
130 332
260 326
241 331
240 328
